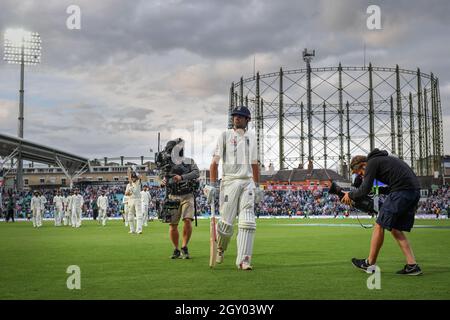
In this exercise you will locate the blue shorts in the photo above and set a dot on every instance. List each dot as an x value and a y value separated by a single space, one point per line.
398 210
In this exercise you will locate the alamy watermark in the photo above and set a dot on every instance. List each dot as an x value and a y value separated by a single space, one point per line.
73 22
373 22
74 280
374 281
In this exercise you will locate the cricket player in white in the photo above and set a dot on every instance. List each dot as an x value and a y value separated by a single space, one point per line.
43 202
68 209
77 204
239 188
58 203
35 206
133 191
102 203
145 199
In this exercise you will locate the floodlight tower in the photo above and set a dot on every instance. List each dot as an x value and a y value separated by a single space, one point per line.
307 57
24 48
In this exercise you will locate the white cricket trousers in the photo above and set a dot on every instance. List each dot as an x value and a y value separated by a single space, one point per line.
102 215
135 215
58 216
37 217
237 198
76 217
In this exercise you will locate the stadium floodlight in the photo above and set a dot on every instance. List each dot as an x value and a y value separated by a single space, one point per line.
24 48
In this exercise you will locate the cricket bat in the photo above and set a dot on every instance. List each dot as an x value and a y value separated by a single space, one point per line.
212 236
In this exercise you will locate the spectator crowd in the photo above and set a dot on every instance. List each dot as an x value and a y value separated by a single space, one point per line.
276 203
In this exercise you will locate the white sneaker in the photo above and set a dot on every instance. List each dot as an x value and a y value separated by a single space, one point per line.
219 258
245 264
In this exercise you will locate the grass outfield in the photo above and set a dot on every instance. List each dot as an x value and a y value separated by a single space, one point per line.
291 262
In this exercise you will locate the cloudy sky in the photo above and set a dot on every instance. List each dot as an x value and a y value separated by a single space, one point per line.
136 68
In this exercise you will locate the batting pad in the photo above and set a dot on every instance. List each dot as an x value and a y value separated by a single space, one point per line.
246 236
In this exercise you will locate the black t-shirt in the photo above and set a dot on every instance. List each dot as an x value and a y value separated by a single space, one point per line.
389 170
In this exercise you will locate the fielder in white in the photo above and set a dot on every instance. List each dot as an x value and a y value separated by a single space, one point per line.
43 202
58 204
145 199
68 209
102 203
35 206
133 191
77 205
239 189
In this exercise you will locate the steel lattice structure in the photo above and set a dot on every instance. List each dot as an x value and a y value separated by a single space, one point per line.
327 115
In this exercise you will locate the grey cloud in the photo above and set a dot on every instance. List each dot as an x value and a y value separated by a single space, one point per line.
179 58
135 113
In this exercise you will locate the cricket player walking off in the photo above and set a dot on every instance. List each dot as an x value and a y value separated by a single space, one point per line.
133 191
68 209
102 203
58 203
77 204
43 202
145 199
239 189
36 210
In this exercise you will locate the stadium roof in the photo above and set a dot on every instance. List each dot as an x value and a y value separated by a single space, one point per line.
35 152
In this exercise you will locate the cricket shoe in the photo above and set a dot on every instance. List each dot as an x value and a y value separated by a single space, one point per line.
185 253
410 270
176 254
245 264
220 253
363 264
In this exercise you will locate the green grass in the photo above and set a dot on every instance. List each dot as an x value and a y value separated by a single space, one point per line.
291 262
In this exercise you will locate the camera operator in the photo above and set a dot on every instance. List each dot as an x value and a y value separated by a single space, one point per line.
398 210
179 180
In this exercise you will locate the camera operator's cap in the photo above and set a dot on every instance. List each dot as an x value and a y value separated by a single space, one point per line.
357 161
241 111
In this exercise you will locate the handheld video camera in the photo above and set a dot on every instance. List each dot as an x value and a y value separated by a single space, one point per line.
163 161
365 204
